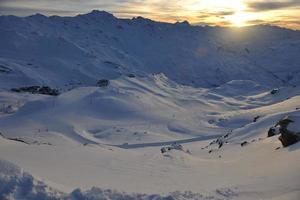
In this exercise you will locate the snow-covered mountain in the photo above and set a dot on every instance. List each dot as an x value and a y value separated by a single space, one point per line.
69 50
177 108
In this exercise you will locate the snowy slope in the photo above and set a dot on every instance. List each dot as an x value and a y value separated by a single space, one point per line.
169 83
59 51
111 138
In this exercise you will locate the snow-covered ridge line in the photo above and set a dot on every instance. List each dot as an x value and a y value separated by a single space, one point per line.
94 101
105 14
61 51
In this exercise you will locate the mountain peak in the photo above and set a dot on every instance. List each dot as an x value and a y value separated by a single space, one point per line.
183 23
98 13
38 16
142 19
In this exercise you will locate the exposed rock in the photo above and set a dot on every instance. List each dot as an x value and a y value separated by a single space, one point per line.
284 123
163 150
174 146
183 23
272 131
274 91
244 143
256 118
46 90
220 143
103 83
227 134
288 136
31 89
131 75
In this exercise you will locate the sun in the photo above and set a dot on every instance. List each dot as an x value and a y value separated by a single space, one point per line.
239 19
240 16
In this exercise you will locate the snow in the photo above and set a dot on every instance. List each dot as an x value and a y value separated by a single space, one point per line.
16 184
295 125
82 49
192 88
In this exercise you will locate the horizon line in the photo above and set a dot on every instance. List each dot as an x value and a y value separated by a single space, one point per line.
198 24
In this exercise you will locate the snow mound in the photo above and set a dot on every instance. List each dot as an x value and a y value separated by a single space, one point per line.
16 184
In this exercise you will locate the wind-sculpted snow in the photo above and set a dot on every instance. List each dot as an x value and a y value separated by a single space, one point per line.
143 108
18 185
97 194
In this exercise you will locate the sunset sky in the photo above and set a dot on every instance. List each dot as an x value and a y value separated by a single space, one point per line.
210 12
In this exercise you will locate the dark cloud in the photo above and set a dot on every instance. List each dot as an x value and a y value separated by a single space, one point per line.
272 5
57 7
220 14
221 23
257 21
28 11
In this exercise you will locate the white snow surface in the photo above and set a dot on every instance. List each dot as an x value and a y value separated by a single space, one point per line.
169 84
68 51
295 125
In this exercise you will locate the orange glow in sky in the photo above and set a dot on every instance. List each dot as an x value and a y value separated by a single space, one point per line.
235 13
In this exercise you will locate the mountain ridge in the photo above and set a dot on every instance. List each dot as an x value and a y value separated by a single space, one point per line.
209 56
122 107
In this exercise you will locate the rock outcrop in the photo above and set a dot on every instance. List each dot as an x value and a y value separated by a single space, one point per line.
46 90
289 130
273 131
103 83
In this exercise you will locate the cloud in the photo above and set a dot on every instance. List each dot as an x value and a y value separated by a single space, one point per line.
272 5
220 23
157 9
52 7
23 11
212 12
216 18
206 14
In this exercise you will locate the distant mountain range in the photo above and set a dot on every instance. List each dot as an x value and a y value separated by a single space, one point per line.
63 51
